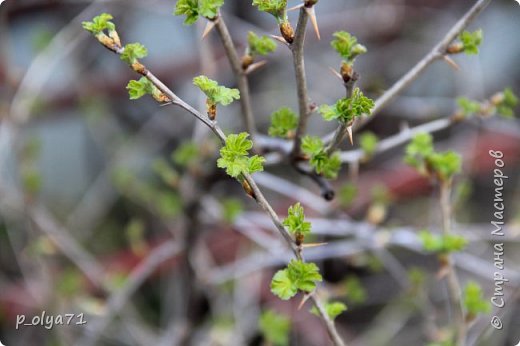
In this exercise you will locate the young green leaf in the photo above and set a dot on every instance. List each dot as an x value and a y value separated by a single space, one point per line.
275 328
277 8
234 156
137 89
506 107
283 123
295 221
468 107
445 164
260 45
346 109
312 145
214 92
368 143
99 24
471 41
474 300
444 244
346 45
282 286
304 275
327 165
193 9
420 147
333 309
298 276
132 52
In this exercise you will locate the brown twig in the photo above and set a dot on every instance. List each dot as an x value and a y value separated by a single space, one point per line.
436 53
301 82
452 279
403 136
343 127
240 75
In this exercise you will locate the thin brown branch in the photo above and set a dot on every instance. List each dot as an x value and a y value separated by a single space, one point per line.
331 328
454 289
301 82
436 53
240 75
353 156
343 127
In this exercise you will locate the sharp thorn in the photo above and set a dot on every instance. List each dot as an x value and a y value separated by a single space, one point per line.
304 299
451 62
312 15
253 67
280 39
295 7
336 73
349 131
209 26
313 245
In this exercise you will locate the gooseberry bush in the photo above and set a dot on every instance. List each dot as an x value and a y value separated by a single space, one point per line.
244 154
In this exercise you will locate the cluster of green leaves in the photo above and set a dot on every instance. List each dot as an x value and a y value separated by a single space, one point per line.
275 327
347 193
132 52
421 155
234 156
193 9
217 94
354 289
298 276
99 24
277 8
260 45
471 41
139 88
444 243
474 300
185 154
333 309
368 143
506 107
295 221
346 109
231 209
283 122
327 165
347 46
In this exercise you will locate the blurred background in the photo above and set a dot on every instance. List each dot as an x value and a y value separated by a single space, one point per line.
115 208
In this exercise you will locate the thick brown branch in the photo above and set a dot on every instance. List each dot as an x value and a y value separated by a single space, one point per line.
301 82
